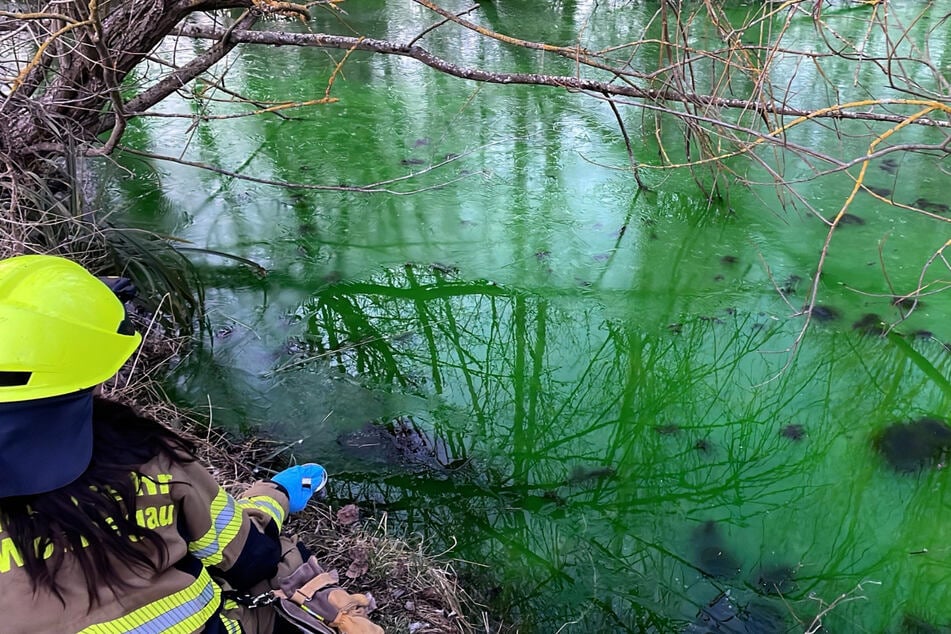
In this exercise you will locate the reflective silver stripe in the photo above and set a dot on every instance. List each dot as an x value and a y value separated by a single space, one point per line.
183 612
226 524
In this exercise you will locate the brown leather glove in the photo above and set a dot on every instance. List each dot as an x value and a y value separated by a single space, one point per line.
309 597
349 610
356 625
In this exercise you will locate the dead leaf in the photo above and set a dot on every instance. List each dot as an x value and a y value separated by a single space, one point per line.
360 559
357 569
349 514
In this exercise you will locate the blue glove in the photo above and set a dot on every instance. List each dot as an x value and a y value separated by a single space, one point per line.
301 482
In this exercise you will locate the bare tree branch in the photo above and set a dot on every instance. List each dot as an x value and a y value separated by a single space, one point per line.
182 76
321 40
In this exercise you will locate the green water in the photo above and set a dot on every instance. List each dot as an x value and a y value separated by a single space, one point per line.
583 374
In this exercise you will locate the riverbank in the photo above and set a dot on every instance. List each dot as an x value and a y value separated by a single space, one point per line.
415 591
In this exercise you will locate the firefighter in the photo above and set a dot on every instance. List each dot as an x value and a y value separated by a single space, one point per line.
108 523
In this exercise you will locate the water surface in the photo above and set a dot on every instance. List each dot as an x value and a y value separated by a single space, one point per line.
601 396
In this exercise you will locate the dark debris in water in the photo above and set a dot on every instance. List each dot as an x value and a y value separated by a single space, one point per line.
870 324
580 474
776 580
712 557
908 447
668 429
399 441
933 207
907 301
889 165
793 431
911 624
552 495
721 610
884 192
445 269
723 614
704 446
851 219
790 285
824 313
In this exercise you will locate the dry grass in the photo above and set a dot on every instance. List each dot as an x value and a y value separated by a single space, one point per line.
415 591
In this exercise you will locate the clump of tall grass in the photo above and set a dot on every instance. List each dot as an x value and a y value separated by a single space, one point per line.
41 211
39 214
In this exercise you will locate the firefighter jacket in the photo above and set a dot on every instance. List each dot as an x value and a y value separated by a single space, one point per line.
208 534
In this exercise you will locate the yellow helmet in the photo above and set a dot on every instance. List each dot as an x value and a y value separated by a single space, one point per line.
61 329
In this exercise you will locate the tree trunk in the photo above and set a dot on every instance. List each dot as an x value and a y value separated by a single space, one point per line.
70 89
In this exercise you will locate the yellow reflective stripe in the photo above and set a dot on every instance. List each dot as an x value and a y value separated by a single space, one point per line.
226 521
267 505
231 626
183 612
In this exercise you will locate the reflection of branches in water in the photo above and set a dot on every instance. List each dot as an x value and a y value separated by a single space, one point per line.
589 442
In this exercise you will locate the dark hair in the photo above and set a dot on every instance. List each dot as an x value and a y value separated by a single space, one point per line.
93 518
